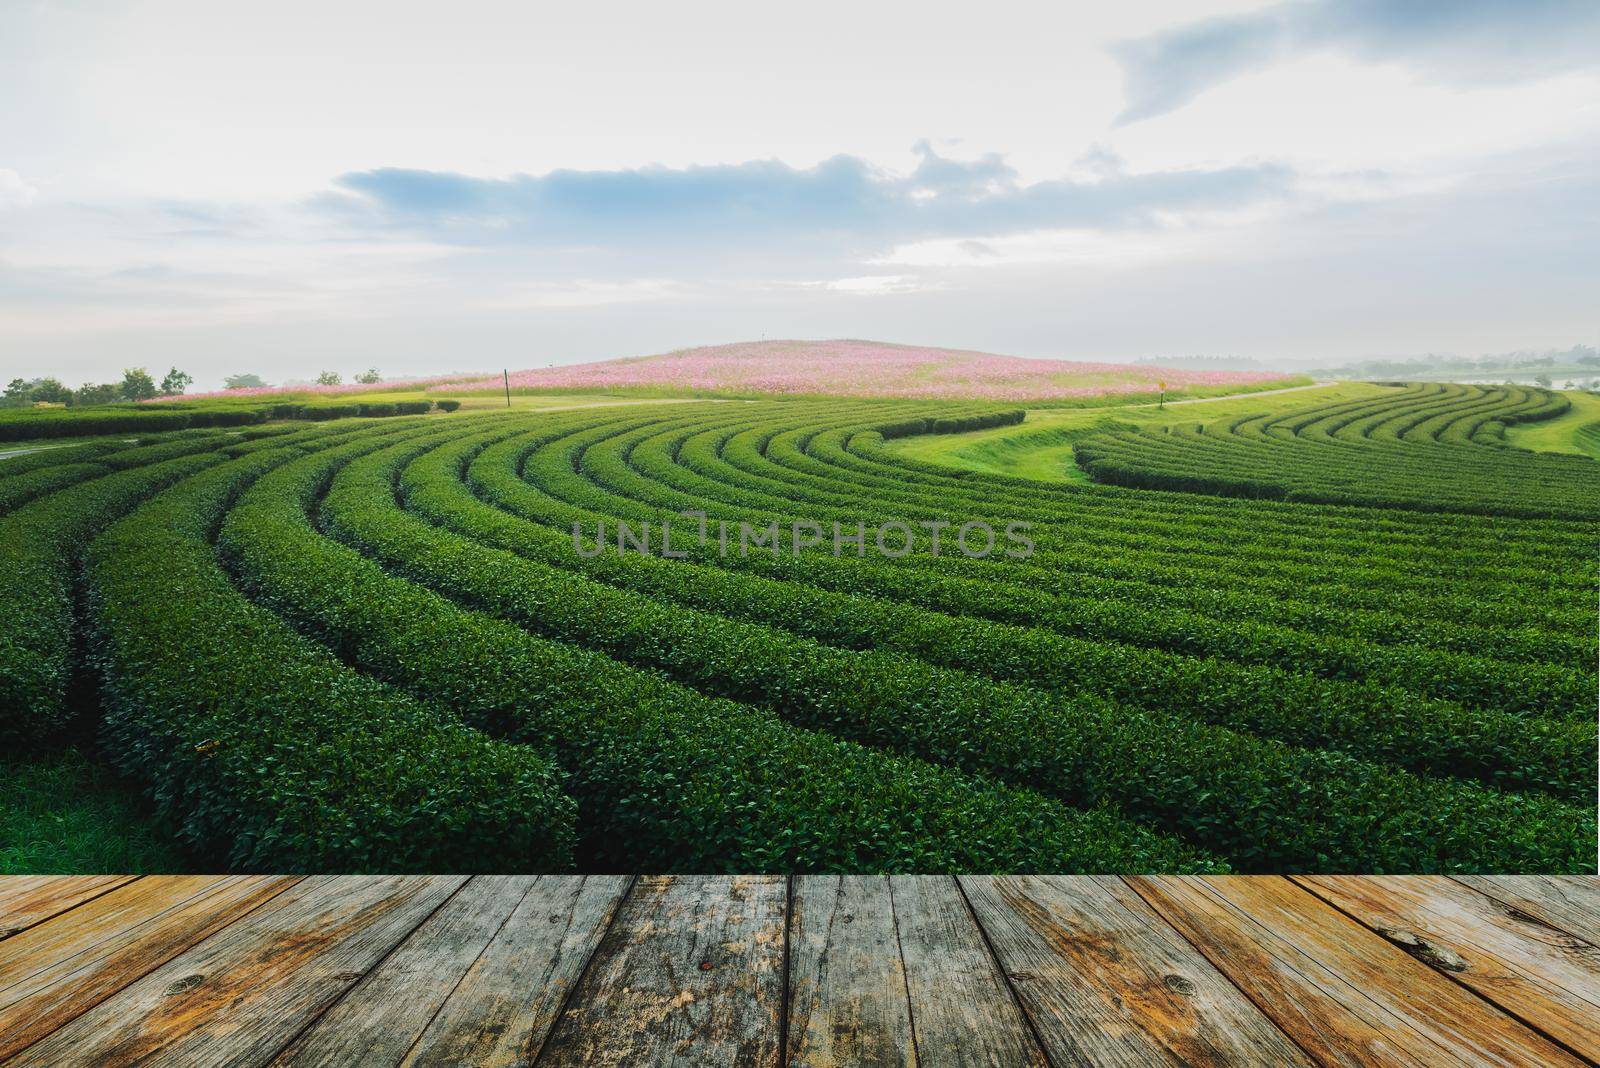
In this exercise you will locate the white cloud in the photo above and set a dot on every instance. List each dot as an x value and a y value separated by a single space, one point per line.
13 190
373 178
586 293
875 284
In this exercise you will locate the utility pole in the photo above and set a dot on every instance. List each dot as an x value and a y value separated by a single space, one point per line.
506 375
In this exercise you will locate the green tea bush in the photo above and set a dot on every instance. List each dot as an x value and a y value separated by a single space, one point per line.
394 642
1260 804
669 778
276 756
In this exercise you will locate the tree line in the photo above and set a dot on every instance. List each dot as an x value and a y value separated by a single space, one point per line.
138 385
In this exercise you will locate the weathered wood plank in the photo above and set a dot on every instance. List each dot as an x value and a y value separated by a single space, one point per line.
1343 993
1107 982
29 899
1570 903
1539 973
381 1017
242 995
848 1002
691 973
56 971
504 1007
961 1006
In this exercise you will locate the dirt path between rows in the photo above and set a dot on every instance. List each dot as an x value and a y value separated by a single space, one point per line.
8 454
1243 396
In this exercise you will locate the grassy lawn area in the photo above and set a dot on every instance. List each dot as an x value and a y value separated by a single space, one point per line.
1561 434
62 814
1041 446
475 402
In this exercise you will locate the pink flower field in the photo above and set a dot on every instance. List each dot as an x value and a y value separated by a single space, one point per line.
864 369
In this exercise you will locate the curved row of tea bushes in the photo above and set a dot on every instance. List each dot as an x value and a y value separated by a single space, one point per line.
1538 553
1392 453
47 473
828 472
857 452
1252 546
17 490
1443 674
806 711
34 459
669 779
1520 596
1563 692
263 748
1135 569
1367 721
33 424
1259 803
709 456
652 465
40 545
1532 570
1302 609
1588 436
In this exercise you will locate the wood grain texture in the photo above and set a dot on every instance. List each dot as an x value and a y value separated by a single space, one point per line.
567 970
504 1007
848 1002
1106 982
1543 975
54 972
1568 902
1344 994
380 1019
691 973
29 899
242 995
962 1008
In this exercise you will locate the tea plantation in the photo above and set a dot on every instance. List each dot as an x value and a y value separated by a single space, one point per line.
1352 637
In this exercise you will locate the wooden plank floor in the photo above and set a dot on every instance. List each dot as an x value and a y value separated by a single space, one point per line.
809 970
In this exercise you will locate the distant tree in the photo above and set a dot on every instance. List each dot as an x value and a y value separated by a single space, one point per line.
1542 380
328 378
176 382
245 381
50 391
369 377
104 393
19 392
137 385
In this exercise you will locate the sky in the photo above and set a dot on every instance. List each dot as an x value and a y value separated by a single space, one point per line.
422 187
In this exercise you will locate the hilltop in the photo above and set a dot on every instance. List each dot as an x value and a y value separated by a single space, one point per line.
856 368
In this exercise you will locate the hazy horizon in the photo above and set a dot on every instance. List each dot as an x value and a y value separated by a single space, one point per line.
289 189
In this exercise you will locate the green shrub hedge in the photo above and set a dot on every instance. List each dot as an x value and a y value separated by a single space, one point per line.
669 779
39 548
1363 719
1261 804
268 752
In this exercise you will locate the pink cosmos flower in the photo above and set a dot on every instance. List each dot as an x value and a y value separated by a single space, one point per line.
863 369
